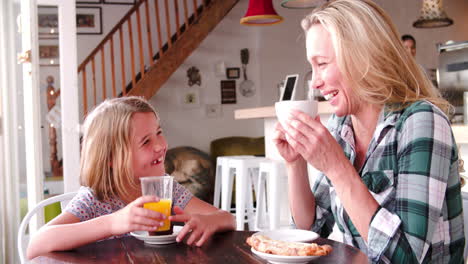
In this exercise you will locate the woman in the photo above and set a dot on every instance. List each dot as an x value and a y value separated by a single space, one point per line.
388 159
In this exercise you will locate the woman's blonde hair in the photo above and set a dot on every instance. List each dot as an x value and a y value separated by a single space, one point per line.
371 56
106 157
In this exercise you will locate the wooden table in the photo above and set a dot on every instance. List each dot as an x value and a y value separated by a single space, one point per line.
229 247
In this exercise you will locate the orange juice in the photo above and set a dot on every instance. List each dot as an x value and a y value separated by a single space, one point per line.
163 206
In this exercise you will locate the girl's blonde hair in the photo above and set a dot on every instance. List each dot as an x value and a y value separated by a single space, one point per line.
106 157
371 56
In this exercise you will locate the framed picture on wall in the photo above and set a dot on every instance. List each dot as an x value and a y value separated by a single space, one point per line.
120 2
213 110
190 98
47 20
89 20
233 73
228 92
49 52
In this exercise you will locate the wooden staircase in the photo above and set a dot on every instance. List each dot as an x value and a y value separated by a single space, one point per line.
155 22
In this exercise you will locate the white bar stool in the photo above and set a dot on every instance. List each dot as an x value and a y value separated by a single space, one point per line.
222 168
272 200
244 170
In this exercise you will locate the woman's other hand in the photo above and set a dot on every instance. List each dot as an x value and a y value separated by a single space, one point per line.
288 153
312 140
198 227
134 217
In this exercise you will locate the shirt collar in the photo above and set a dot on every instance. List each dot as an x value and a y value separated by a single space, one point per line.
344 128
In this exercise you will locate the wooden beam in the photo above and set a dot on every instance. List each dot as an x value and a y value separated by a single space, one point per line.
182 48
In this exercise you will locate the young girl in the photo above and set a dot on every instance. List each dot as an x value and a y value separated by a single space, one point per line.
122 142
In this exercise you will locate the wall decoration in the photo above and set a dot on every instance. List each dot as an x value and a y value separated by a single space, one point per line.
88 1
233 73
48 52
228 92
47 20
89 20
246 87
120 2
191 98
213 110
193 73
220 69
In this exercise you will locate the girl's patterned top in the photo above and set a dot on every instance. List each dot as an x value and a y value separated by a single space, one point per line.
86 206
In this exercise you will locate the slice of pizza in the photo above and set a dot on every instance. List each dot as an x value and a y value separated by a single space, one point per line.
265 244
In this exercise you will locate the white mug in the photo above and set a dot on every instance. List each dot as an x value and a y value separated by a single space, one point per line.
284 108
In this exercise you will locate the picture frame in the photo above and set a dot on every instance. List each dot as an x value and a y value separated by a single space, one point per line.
47 21
213 111
88 1
190 98
233 73
119 2
228 92
49 52
88 20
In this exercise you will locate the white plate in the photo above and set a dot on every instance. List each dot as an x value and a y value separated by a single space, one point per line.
157 240
277 259
293 235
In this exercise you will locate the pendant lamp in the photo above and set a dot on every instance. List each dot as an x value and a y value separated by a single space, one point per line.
302 4
261 13
432 15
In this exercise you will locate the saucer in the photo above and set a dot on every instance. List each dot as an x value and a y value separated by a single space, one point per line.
157 240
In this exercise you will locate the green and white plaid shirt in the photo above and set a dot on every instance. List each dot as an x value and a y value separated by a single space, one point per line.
411 169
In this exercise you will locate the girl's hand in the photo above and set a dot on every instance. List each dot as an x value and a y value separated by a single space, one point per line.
134 217
313 142
198 227
288 153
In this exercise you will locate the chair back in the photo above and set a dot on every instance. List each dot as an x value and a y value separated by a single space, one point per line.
62 198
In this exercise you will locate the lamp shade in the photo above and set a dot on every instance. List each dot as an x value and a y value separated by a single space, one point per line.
432 15
302 4
260 13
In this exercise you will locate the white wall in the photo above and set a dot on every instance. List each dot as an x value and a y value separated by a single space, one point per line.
427 39
190 126
278 50
274 52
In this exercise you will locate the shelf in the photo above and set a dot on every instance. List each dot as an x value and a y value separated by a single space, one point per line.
269 111
460 131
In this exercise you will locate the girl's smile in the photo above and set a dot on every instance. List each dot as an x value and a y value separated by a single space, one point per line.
148 144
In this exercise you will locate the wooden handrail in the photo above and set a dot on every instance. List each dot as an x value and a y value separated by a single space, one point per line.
109 35
114 91
122 61
93 71
132 52
158 25
174 32
186 14
168 24
148 32
195 7
103 72
176 10
85 93
140 43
